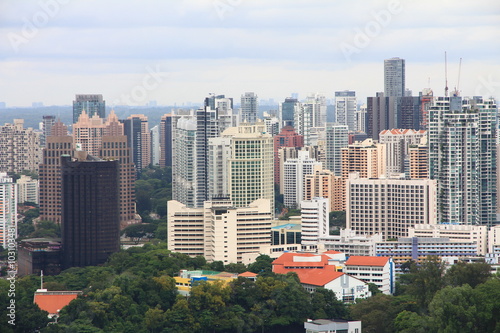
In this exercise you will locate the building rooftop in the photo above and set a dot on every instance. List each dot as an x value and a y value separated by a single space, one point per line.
366 261
54 301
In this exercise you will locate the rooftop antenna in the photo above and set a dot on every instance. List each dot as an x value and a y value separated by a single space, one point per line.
459 71
445 75
41 279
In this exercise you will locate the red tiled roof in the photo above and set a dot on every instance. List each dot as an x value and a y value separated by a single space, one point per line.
331 252
247 274
318 277
51 301
366 261
280 269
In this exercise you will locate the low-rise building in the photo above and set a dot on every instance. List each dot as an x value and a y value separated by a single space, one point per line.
454 232
418 249
377 270
346 288
332 326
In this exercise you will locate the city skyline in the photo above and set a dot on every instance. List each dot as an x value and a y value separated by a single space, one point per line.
179 52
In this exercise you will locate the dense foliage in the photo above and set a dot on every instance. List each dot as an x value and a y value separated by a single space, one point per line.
135 292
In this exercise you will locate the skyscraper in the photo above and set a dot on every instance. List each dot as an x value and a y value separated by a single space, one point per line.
166 140
136 129
394 77
345 108
90 210
462 157
295 172
48 122
249 107
336 139
92 104
381 114
287 111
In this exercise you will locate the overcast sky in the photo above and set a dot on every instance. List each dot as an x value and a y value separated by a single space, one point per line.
179 51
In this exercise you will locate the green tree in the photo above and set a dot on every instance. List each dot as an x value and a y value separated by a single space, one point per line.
426 279
324 304
179 318
472 274
262 264
452 310
411 322
377 313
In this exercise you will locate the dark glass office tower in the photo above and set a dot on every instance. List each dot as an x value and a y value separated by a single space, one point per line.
288 111
90 210
92 104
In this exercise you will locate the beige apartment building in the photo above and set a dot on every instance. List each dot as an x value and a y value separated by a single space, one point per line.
19 148
389 206
219 231
323 183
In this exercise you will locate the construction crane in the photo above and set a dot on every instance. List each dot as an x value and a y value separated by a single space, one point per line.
445 75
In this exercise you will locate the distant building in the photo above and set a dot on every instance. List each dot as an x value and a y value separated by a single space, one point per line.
27 189
155 145
249 107
397 143
19 147
47 123
336 139
91 104
90 210
323 183
345 109
288 108
166 140
394 77
295 172
286 138
139 140
8 209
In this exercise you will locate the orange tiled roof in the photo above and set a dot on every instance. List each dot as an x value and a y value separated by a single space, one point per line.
279 269
318 277
51 301
366 261
331 252
247 274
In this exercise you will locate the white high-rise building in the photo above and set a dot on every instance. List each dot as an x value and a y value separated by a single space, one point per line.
345 108
315 219
397 143
155 145
249 107
27 189
463 158
337 137
219 231
184 162
295 172
8 210
361 115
